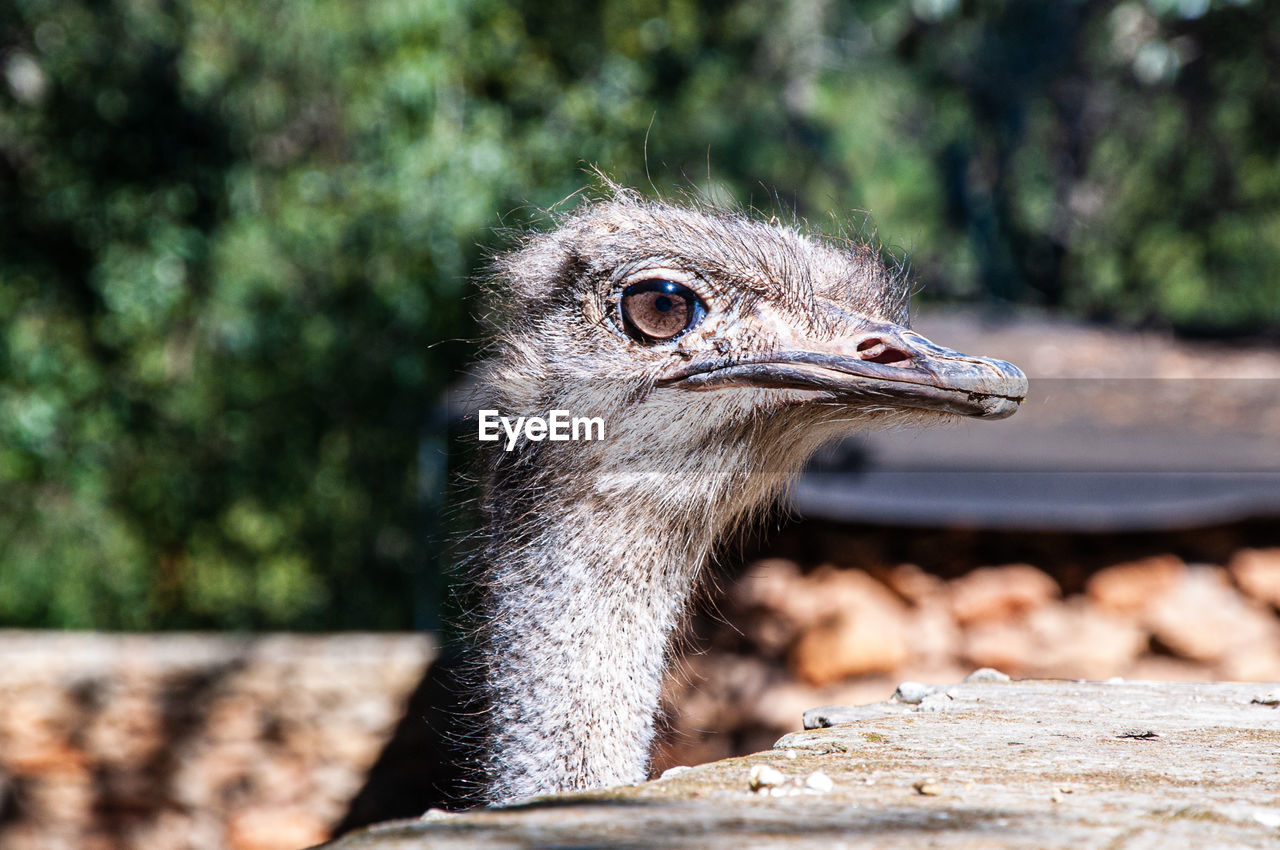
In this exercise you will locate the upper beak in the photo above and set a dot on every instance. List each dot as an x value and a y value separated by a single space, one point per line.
882 363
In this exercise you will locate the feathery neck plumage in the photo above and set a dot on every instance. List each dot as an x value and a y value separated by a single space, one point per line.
589 569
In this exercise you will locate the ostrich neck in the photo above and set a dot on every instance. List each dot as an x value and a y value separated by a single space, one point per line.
582 605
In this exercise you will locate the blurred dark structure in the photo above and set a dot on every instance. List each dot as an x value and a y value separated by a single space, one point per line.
1122 432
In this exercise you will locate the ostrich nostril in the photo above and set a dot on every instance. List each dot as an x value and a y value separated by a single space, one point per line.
878 351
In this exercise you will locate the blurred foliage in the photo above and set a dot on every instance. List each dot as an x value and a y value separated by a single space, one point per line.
234 233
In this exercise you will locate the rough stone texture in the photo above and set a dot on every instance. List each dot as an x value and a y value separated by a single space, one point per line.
1131 587
1000 593
1204 619
170 742
1257 572
1072 639
1024 764
862 629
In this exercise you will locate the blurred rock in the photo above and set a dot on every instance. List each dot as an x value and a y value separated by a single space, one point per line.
1078 640
914 584
1204 618
1004 645
990 594
772 603
170 742
864 629
1073 639
832 623
932 634
270 827
1130 588
1257 572
1251 664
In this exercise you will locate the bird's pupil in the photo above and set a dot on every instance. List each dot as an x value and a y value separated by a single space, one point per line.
663 303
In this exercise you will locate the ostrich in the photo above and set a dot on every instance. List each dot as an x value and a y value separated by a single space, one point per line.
720 352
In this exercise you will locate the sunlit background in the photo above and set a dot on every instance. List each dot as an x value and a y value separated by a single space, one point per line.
238 236
237 250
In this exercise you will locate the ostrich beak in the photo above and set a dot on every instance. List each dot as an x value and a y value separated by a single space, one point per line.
880 364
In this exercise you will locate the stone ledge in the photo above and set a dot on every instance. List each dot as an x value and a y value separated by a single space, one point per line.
1035 763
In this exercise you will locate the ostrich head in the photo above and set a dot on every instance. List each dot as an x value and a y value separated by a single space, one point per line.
719 352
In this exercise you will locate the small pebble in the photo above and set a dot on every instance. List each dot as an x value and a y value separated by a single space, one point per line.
675 771
1056 798
927 788
819 782
763 776
987 674
435 814
1066 789
912 693
791 754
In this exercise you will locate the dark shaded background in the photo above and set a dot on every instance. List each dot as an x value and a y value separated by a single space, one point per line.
236 238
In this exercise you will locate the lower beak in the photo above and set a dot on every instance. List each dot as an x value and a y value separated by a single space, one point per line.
882 364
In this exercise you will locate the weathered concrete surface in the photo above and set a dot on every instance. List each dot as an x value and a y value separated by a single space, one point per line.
1043 764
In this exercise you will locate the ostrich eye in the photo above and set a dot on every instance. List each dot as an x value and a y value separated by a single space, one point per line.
660 310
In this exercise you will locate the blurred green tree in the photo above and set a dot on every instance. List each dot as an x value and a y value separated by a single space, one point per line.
236 236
